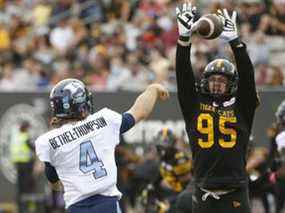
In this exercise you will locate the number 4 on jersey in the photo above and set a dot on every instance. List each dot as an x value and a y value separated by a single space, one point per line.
89 161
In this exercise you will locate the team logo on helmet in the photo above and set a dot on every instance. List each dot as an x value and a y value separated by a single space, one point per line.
70 98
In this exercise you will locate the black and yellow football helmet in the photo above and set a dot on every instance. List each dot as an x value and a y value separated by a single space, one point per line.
219 67
165 141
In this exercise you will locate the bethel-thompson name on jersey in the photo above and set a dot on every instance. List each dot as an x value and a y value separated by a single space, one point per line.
77 132
83 155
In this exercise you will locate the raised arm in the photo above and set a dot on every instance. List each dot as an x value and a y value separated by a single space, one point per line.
185 79
184 73
145 103
246 93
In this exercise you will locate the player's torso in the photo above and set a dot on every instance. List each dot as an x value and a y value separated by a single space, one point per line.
83 155
218 138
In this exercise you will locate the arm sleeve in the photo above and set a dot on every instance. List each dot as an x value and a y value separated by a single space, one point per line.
51 173
280 141
187 95
246 93
128 121
114 120
43 150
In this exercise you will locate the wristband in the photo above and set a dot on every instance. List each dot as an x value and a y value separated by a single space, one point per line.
236 43
184 38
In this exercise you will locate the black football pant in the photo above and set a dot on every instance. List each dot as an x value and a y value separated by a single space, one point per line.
184 200
236 201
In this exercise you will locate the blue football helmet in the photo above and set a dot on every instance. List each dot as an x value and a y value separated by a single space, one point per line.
70 99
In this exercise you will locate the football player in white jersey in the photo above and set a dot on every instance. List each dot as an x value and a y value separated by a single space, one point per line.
280 142
79 152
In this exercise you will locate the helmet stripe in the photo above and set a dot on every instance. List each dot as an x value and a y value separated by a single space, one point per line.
164 132
220 63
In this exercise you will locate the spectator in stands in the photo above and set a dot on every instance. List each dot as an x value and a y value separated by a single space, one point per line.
274 23
252 11
5 41
43 52
92 10
262 72
61 71
259 49
140 74
119 74
62 37
41 13
7 81
62 8
277 76
74 32
26 77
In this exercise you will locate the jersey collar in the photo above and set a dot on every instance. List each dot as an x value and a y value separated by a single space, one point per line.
225 103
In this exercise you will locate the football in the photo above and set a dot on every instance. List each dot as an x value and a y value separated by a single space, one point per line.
209 26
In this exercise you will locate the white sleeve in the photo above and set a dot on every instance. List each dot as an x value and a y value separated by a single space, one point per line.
43 150
114 119
280 140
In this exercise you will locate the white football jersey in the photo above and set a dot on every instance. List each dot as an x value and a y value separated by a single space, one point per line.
83 154
280 140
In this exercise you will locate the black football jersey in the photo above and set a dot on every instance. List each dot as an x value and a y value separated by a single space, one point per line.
172 170
218 133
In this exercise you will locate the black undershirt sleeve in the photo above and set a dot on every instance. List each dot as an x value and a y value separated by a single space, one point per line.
246 93
185 81
51 173
128 121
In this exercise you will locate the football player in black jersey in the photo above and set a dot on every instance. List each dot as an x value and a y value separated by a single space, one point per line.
174 173
218 113
175 164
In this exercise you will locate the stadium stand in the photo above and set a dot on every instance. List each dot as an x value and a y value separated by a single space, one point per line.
122 45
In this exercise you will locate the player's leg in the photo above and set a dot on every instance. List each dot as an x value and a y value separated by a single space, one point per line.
202 206
111 206
105 205
184 201
233 202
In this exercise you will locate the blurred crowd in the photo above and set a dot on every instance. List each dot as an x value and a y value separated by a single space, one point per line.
124 45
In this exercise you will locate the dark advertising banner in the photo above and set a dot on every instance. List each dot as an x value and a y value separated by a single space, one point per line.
34 107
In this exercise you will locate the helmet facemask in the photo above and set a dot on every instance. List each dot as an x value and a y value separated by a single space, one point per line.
219 67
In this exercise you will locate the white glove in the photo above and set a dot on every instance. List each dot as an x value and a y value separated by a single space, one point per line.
230 26
185 19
